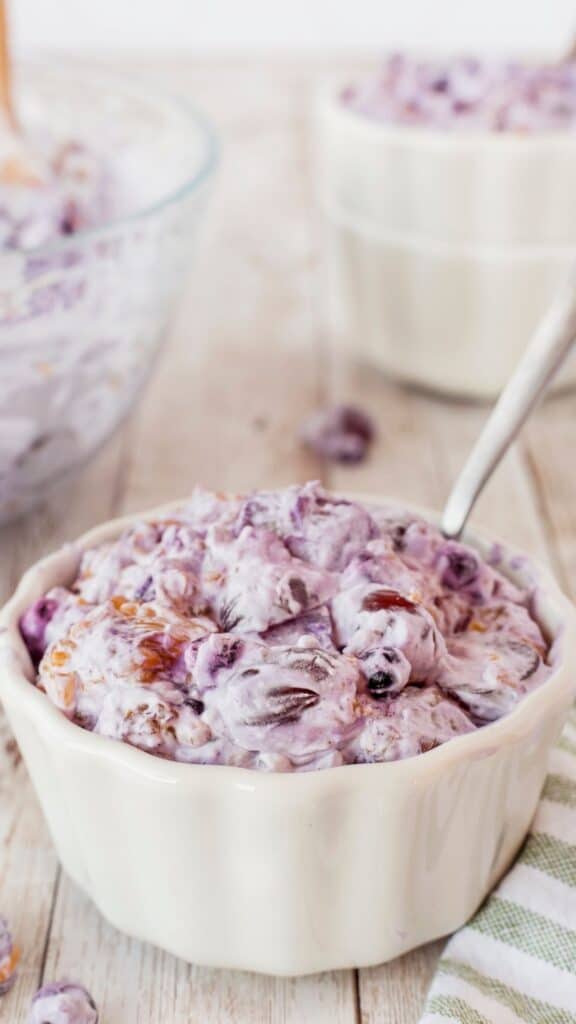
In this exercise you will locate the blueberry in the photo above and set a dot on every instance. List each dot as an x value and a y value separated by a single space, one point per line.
440 84
461 570
386 669
340 433
63 1000
379 683
196 705
398 534
33 626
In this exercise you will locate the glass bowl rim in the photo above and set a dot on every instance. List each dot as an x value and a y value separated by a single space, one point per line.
130 84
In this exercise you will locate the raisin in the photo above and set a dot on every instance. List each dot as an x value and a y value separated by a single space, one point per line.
298 590
381 600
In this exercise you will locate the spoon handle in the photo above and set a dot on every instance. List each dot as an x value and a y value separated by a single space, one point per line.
6 103
544 355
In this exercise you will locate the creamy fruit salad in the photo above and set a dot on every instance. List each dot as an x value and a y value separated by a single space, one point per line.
55 396
78 323
70 192
9 957
285 630
467 93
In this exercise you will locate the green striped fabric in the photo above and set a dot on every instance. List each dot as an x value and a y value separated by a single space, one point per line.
515 961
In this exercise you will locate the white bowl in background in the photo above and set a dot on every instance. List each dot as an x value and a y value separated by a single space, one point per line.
448 318
444 249
493 188
285 873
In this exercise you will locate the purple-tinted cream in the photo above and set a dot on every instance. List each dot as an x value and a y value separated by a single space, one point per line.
285 630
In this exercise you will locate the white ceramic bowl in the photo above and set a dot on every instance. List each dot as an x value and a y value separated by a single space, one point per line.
285 874
448 318
444 248
491 188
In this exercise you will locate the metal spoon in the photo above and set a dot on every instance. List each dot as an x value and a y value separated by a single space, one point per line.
546 352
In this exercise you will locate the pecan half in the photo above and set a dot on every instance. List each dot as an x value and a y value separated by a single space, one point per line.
285 704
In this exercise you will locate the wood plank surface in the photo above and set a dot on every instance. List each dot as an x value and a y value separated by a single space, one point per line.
250 354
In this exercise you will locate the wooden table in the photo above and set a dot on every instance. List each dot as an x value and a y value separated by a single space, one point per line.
250 355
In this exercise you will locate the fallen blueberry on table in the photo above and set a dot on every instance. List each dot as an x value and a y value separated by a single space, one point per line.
63 1002
339 433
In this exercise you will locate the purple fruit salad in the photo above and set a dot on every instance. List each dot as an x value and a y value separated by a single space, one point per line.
71 192
285 630
9 957
469 94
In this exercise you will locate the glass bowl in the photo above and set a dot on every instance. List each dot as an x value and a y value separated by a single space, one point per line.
82 317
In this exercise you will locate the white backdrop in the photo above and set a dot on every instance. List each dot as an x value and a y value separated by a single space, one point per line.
244 25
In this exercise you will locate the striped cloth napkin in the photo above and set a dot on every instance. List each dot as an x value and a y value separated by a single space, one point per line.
515 962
